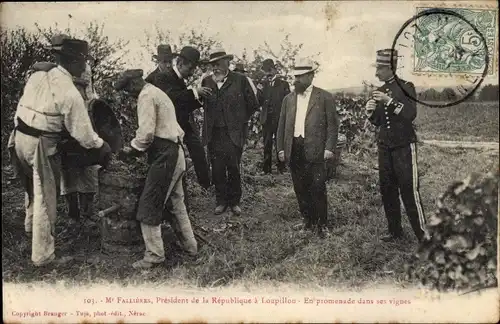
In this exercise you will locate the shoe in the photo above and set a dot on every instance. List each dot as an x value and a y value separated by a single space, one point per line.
391 237
220 209
236 210
57 262
143 264
323 232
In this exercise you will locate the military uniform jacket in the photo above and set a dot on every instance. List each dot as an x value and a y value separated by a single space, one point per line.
396 117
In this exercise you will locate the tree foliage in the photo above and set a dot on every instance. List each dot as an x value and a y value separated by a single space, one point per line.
461 249
22 48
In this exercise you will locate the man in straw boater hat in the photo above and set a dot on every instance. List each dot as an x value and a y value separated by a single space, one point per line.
394 112
160 136
78 184
306 137
50 109
274 91
227 112
172 82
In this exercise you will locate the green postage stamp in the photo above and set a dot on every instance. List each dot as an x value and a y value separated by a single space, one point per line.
461 42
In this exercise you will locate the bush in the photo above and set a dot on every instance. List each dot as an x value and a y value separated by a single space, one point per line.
461 249
22 48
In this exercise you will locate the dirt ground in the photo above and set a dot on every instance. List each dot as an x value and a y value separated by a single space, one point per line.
261 244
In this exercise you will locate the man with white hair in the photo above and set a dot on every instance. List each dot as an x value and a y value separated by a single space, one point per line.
306 137
227 112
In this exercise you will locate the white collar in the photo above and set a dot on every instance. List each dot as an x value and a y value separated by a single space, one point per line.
174 67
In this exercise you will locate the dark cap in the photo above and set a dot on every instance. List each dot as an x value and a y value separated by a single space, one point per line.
125 77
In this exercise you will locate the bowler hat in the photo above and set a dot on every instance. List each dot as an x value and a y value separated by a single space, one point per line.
239 67
219 54
384 57
125 77
304 66
56 41
190 53
267 65
164 53
73 47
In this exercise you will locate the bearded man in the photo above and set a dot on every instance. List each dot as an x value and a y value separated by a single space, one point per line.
227 112
306 137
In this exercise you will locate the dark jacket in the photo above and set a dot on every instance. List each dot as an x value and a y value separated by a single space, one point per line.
182 97
321 125
272 98
238 103
396 119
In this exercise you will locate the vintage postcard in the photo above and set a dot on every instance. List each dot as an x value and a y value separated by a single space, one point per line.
244 162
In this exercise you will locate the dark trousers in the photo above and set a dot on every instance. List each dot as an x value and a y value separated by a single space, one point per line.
309 183
268 131
398 174
225 157
198 156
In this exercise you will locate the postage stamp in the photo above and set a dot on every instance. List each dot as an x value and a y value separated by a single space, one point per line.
464 43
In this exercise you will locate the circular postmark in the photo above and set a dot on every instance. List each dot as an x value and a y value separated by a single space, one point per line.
443 42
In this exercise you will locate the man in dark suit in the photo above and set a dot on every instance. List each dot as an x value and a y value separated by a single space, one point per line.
394 112
307 136
227 112
273 93
171 81
163 59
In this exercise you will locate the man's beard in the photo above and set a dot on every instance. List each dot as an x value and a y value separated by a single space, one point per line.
218 76
300 87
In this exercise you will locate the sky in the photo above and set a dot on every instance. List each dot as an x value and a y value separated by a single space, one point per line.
346 33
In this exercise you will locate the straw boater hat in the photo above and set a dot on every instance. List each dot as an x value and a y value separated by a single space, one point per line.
219 54
239 67
164 53
125 77
384 57
190 53
267 65
304 66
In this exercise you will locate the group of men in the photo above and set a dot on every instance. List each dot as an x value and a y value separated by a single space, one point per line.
303 124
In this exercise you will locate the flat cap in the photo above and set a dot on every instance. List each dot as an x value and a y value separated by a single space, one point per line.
125 77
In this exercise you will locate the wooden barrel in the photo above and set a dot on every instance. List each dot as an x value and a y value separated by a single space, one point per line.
120 231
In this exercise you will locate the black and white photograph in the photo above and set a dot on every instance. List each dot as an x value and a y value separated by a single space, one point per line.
250 161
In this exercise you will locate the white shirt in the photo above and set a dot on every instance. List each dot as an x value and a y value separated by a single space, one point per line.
221 83
300 115
51 102
253 86
272 80
156 117
176 70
